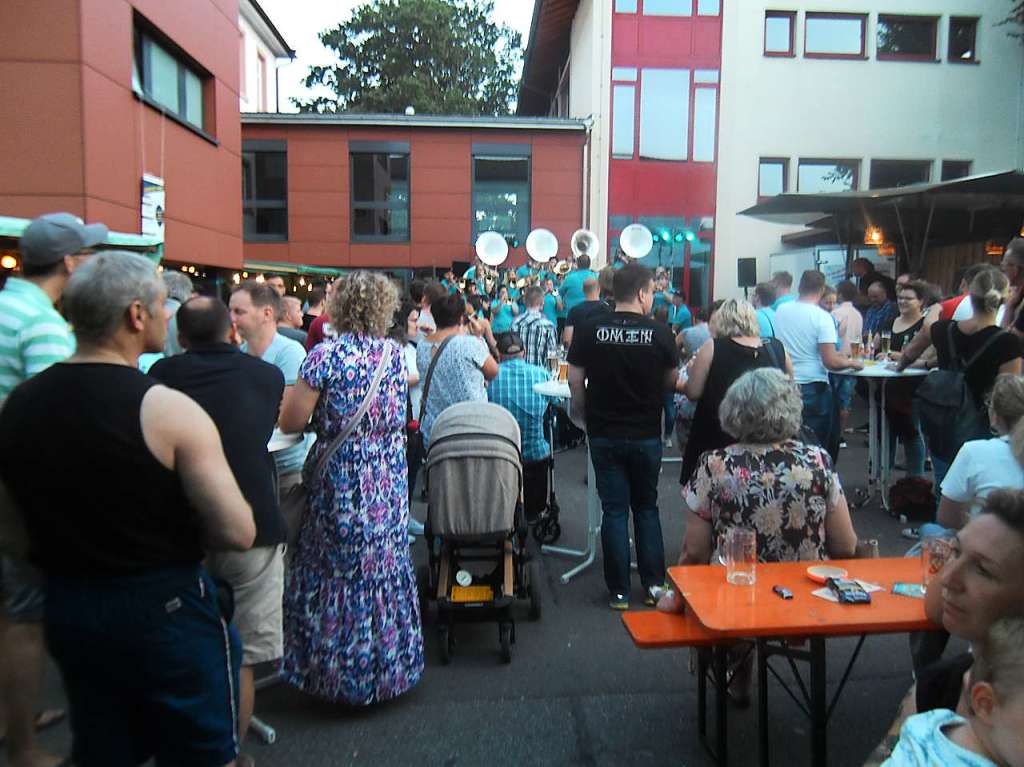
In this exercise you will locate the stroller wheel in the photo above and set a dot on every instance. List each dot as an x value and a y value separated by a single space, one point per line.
547 531
505 636
447 644
533 590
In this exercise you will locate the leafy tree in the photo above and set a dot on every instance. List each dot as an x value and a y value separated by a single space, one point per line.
1016 16
438 56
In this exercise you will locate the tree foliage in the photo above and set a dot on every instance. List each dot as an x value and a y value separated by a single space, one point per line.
1016 16
438 56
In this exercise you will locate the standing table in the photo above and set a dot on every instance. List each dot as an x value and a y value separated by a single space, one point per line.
560 390
879 455
756 613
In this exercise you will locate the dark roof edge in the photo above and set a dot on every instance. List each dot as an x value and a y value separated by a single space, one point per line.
537 5
415 121
266 20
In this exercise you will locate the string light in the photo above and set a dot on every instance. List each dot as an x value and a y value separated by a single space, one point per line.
8 262
236 278
302 280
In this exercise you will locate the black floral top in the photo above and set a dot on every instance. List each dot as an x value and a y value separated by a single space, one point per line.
784 492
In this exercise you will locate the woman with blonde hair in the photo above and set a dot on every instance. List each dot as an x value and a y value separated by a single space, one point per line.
977 346
984 465
735 348
351 612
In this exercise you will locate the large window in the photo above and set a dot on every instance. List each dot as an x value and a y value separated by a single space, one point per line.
952 169
834 35
910 38
705 110
963 39
380 195
664 114
817 176
264 190
779 33
166 79
668 7
625 6
623 121
709 7
772 176
501 191
886 174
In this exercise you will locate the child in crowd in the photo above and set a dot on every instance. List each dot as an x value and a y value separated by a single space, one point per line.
992 734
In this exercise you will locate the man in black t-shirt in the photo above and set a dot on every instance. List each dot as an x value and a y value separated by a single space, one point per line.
620 366
592 307
242 395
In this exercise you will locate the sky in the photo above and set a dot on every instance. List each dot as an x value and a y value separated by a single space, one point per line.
300 21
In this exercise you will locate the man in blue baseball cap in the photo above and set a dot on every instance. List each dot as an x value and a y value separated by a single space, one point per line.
33 336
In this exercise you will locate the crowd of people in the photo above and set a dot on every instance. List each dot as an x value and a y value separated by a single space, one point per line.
299 554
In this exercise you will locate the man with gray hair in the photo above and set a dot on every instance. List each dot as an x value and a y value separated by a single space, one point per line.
179 290
33 336
149 664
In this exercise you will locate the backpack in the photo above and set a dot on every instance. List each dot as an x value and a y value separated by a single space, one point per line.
912 499
945 407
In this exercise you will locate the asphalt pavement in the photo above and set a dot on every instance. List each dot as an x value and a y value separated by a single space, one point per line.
577 691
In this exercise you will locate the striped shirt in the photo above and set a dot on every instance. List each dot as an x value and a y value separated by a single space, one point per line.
33 335
538 336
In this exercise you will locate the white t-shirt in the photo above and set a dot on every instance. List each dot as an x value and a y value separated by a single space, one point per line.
415 392
981 466
800 327
965 310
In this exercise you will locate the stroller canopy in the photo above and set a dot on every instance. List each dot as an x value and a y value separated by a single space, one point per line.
474 470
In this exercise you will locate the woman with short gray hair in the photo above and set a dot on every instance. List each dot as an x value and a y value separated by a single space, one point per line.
768 481
735 348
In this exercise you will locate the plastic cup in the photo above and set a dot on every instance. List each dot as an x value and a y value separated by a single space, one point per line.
934 553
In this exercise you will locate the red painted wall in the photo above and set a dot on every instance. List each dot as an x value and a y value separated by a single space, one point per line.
77 139
440 193
641 187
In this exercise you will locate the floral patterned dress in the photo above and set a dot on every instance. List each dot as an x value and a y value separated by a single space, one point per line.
784 492
351 613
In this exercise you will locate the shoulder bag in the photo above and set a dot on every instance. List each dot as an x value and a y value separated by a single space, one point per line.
293 504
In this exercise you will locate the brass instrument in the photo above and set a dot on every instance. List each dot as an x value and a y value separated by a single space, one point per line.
562 268
584 243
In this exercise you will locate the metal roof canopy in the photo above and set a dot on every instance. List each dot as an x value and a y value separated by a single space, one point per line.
11 229
984 206
356 119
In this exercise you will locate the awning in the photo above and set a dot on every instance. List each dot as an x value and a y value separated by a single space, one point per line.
281 267
11 229
971 209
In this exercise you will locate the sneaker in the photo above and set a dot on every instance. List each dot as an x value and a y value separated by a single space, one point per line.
911 533
843 445
654 593
619 602
415 527
668 443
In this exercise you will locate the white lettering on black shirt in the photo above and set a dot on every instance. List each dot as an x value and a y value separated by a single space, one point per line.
625 336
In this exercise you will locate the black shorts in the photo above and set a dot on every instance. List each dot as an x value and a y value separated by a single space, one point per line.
150 668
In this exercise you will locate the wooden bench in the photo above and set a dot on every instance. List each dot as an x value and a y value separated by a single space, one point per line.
655 630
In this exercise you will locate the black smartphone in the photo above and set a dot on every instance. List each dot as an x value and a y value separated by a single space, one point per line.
849 592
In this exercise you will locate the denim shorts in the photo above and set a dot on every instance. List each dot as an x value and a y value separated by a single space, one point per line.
842 389
149 666
23 592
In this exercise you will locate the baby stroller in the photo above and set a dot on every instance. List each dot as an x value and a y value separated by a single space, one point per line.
475 530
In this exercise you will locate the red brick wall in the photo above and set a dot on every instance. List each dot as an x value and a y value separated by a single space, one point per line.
440 193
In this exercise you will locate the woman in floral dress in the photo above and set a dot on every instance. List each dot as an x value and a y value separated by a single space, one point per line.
769 482
351 613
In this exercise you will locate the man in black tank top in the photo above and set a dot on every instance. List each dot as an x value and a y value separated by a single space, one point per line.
122 484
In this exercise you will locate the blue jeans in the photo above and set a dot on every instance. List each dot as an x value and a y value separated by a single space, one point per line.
627 478
817 412
940 469
670 414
